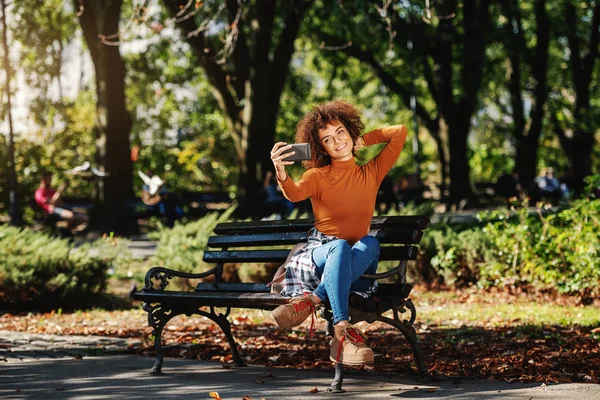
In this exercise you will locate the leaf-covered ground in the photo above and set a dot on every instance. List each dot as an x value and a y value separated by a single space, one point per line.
503 336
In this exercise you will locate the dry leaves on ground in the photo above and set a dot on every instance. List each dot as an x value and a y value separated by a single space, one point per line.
509 352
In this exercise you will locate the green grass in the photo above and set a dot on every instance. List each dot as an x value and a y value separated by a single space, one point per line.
526 313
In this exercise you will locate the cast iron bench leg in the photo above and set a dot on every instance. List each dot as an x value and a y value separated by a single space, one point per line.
158 317
223 322
336 385
411 336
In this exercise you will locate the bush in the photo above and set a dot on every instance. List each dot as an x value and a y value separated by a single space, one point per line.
43 271
512 248
182 247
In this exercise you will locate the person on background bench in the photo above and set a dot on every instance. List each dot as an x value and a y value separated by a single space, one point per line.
274 201
51 202
155 194
548 187
343 193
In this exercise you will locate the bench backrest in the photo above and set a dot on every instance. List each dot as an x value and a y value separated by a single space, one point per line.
249 241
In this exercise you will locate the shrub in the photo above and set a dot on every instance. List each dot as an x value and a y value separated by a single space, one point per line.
40 270
182 247
516 247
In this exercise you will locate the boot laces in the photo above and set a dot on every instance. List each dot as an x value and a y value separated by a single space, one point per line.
299 305
351 334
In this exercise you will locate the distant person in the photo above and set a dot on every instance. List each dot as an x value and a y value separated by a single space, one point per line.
548 186
275 202
51 202
155 194
567 183
508 185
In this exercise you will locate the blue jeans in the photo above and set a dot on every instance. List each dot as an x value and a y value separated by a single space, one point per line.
340 266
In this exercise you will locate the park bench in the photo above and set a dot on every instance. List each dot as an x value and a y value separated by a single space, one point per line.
398 235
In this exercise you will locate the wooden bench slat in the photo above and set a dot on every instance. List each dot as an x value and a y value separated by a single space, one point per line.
232 287
405 222
265 301
261 239
241 256
246 299
401 236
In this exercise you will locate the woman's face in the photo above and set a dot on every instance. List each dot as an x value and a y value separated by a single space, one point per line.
336 141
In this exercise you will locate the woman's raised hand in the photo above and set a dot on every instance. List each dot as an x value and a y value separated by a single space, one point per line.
280 151
359 144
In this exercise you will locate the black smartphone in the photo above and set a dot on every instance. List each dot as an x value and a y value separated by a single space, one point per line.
302 152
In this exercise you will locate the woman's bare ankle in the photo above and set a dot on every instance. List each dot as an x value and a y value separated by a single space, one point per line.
315 299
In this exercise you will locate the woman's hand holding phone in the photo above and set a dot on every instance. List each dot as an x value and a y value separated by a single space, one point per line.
280 151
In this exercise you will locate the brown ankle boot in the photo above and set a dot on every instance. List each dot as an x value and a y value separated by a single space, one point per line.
294 313
348 346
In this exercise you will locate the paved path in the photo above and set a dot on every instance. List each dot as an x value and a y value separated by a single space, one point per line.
20 346
58 367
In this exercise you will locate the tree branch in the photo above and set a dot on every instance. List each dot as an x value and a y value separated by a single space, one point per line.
593 54
573 40
87 18
565 142
285 47
476 21
540 65
207 59
241 52
367 57
265 10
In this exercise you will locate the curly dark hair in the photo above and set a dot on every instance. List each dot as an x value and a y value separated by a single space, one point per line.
307 130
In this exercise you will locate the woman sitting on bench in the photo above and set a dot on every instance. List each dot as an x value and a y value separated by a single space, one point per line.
343 193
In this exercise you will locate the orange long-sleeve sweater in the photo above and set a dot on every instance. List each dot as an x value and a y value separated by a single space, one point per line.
343 193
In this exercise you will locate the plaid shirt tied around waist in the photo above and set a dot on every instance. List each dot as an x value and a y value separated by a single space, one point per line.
300 275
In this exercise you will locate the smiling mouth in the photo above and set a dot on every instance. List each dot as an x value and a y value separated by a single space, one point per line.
340 148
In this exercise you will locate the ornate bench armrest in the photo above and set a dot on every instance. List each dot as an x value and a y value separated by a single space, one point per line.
165 274
400 270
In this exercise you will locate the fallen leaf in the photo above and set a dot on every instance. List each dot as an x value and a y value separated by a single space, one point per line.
215 395
269 375
314 390
260 381
246 398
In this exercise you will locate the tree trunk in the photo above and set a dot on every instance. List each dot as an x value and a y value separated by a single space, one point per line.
113 123
460 184
526 162
255 73
458 114
15 211
527 139
579 147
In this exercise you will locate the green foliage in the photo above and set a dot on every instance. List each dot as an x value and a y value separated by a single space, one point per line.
36 268
177 125
557 251
57 150
182 247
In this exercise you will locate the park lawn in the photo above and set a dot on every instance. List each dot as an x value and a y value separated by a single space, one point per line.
472 307
462 334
